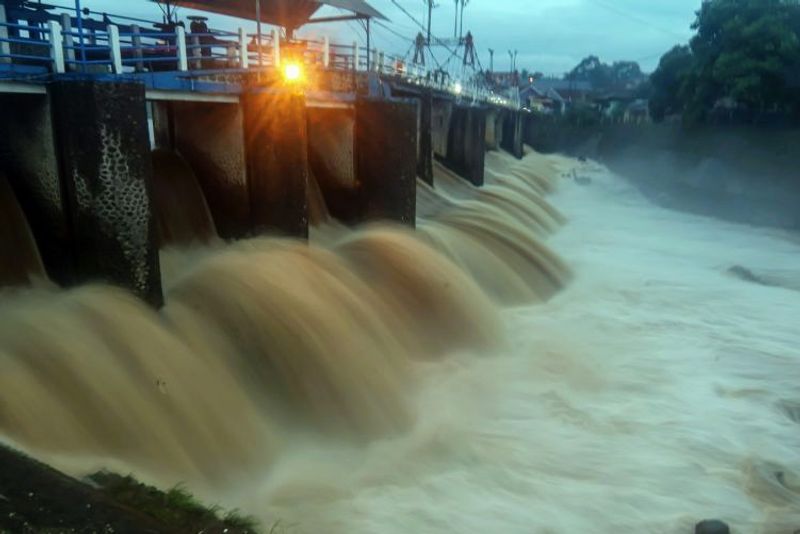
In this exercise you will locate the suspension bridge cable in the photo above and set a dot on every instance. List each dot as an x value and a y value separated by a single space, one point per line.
421 26
392 30
409 15
636 18
382 37
357 32
438 41
405 56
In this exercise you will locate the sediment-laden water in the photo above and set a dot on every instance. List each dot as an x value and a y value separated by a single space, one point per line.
497 370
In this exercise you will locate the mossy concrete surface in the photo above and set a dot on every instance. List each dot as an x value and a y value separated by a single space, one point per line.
35 498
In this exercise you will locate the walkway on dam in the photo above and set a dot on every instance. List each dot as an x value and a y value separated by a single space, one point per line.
167 58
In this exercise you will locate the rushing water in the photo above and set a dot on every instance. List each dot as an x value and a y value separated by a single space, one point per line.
369 383
657 390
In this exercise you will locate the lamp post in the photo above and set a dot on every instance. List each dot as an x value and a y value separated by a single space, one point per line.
79 18
258 31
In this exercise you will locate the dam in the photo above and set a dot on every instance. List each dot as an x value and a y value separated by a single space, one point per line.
365 305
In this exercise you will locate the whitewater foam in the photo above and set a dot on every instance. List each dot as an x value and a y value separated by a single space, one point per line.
649 395
297 383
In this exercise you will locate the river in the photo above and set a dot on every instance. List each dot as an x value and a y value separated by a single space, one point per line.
655 391
619 378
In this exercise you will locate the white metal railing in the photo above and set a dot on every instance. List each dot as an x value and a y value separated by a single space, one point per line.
137 51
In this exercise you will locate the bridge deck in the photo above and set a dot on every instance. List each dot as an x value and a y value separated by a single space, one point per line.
170 61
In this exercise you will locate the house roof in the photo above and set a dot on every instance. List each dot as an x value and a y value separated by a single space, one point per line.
546 84
552 93
287 13
537 92
531 90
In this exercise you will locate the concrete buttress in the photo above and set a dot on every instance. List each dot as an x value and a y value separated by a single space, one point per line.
105 170
386 159
277 162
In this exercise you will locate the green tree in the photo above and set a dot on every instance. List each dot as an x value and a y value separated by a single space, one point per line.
621 75
594 71
744 53
668 82
626 75
744 49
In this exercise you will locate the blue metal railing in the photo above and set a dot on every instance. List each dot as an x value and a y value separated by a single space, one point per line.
64 41
17 48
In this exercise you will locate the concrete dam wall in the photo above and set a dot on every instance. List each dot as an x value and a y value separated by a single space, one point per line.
740 174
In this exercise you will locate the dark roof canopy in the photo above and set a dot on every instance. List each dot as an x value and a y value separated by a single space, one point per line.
288 13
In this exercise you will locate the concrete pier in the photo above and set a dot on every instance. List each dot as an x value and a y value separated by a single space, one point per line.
466 144
441 111
494 129
276 140
105 168
210 137
180 205
364 158
16 242
424 100
331 153
425 141
512 134
28 160
386 148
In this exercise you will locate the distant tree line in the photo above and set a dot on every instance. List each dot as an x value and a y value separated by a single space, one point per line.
604 78
743 62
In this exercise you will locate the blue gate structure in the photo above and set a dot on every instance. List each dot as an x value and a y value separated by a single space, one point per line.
92 104
39 41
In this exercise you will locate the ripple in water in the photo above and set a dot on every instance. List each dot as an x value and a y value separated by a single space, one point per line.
461 378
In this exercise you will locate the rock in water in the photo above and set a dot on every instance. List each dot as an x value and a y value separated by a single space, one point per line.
712 526
745 274
791 408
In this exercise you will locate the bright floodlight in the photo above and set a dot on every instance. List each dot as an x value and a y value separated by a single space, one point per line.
458 88
292 72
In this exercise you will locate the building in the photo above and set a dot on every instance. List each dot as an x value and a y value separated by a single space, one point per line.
569 91
542 101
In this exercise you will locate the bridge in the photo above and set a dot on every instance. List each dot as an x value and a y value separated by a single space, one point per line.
259 119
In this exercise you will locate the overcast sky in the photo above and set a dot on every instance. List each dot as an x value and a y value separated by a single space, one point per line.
550 35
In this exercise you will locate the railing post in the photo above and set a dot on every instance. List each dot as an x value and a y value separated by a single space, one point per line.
136 39
356 56
374 59
196 52
230 52
56 46
276 48
180 40
326 52
381 62
5 49
69 41
244 57
116 51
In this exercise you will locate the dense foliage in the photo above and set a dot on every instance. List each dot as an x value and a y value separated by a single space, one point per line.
619 76
744 59
668 82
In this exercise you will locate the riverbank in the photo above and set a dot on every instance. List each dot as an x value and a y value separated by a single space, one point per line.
37 499
656 391
740 174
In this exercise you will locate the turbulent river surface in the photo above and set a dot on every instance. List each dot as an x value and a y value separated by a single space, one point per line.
617 373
